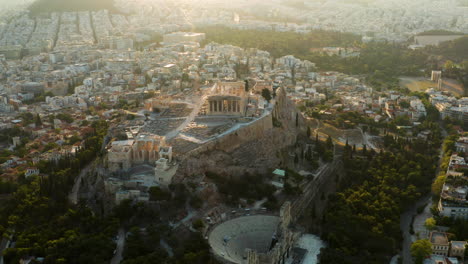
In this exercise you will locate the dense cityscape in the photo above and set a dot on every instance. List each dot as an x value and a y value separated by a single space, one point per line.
237 132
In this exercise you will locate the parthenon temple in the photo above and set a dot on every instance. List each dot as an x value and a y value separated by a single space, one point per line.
229 98
225 105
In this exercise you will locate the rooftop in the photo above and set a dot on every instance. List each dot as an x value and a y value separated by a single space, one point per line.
439 238
279 172
458 244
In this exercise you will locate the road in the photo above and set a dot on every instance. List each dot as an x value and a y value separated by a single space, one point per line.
405 222
166 247
118 256
4 244
419 222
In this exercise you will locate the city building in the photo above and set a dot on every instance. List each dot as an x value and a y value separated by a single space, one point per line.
440 243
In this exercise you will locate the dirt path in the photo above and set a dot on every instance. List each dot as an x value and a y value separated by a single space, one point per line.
73 196
118 256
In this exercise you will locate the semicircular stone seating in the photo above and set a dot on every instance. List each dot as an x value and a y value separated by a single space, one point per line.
230 239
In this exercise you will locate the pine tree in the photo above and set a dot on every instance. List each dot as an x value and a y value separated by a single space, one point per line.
38 121
313 212
309 153
266 94
71 88
329 143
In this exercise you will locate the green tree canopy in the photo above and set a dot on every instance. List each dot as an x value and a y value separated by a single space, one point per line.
430 223
421 249
266 94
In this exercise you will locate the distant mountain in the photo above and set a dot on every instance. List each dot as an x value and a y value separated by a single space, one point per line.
47 6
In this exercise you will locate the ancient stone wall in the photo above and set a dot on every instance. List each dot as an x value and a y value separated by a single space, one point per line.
253 148
316 187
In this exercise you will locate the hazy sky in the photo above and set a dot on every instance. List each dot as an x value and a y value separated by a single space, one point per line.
10 3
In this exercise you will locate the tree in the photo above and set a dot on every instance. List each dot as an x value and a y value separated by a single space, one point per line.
404 104
449 66
329 143
38 121
137 71
308 132
266 94
430 223
198 224
364 129
65 117
71 88
124 210
185 77
438 184
367 197
158 194
402 121
293 73
421 249
49 146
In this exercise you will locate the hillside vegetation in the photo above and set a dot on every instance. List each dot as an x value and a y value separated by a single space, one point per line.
279 43
456 49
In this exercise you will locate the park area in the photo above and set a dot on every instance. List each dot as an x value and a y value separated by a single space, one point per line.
421 84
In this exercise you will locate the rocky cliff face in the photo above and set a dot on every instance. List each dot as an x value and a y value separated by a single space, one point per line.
253 149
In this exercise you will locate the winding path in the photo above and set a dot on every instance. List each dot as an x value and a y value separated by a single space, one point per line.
73 196
118 256
197 105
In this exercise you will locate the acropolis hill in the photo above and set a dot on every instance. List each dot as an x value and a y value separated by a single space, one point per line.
225 128
250 147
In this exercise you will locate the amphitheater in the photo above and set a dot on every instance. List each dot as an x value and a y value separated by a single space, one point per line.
230 239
